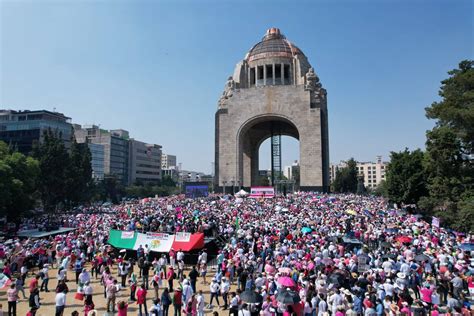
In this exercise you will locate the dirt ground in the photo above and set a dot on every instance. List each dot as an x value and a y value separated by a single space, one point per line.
48 306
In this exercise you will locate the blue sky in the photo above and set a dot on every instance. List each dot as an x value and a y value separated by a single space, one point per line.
157 68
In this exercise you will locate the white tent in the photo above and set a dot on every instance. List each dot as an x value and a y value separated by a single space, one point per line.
241 193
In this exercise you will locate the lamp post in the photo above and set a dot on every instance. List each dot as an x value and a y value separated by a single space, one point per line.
224 183
233 186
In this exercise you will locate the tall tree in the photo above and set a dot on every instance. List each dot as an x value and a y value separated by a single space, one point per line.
449 160
406 180
79 174
53 162
18 178
346 178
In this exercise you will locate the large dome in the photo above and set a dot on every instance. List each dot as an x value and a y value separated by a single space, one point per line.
273 44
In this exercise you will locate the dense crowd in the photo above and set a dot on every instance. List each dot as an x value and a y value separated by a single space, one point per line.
301 254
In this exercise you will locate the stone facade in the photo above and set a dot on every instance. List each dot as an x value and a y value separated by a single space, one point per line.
273 89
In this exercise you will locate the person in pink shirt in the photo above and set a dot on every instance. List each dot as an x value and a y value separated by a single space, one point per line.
426 294
406 309
122 308
141 299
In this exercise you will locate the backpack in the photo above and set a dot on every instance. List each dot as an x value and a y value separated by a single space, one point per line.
31 301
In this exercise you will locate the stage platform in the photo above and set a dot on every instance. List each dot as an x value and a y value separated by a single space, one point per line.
34 233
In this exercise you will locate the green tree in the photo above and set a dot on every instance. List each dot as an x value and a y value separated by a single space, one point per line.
80 184
18 178
380 189
456 109
449 163
346 178
53 163
406 179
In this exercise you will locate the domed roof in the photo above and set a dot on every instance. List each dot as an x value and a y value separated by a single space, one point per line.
273 44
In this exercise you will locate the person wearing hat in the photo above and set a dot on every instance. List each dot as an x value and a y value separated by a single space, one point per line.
45 278
214 289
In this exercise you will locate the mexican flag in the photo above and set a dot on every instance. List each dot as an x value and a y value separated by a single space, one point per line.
4 281
158 242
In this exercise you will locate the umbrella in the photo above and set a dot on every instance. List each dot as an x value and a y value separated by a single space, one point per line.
422 257
306 230
251 297
327 261
288 297
284 270
270 269
467 246
351 212
286 281
404 239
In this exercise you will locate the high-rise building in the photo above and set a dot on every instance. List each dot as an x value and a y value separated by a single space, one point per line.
97 160
373 172
168 161
291 171
116 148
22 129
144 162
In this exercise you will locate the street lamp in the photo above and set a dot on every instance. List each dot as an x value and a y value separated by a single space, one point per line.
224 183
233 186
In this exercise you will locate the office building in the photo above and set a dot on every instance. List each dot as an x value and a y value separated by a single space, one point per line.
373 172
144 163
116 148
290 172
97 160
168 161
22 129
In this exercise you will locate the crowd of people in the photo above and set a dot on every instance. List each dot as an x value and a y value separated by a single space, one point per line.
301 254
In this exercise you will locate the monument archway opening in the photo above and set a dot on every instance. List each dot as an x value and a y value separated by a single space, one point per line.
288 178
251 137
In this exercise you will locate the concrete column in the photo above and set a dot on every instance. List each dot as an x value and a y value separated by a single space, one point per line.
273 72
264 75
249 71
282 71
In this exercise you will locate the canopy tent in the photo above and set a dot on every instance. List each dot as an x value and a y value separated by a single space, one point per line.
241 193
157 242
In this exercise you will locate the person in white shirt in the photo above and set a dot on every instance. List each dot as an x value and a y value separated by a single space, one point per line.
244 311
84 277
180 255
388 287
200 304
60 303
335 300
45 277
322 306
225 288
155 308
214 288
187 292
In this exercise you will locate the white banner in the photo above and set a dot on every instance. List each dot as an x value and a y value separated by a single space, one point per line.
156 241
266 192
182 237
128 235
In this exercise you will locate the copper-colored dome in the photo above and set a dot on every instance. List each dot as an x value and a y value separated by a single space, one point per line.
273 44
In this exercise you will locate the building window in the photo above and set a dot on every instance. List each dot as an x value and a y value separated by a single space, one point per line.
260 75
278 74
252 76
286 75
